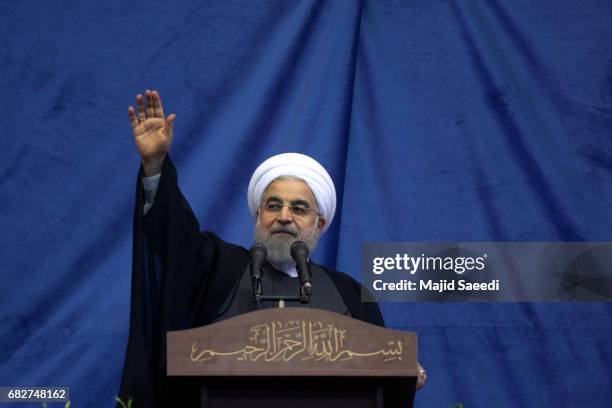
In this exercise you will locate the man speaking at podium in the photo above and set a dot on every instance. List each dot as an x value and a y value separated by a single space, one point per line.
183 278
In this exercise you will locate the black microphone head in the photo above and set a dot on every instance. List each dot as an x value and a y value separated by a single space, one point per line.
258 255
258 251
299 249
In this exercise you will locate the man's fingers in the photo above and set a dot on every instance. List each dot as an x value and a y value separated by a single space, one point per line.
157 105
169 121
141 111
150 109
132 116
422 377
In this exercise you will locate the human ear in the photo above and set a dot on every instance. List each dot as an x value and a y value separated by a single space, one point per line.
321 223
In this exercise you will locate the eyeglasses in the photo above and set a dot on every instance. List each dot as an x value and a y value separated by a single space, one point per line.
297 210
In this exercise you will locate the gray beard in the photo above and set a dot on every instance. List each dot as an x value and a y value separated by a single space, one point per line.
279 246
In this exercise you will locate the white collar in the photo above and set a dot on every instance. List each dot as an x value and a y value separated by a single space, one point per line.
287 268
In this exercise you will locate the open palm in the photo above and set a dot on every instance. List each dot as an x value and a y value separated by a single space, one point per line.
151 130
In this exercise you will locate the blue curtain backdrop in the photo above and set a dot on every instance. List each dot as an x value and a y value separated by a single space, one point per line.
438 120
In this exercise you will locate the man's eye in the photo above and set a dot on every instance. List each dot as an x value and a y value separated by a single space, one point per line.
274 207
299 210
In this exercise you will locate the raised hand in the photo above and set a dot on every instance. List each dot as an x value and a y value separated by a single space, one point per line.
152 131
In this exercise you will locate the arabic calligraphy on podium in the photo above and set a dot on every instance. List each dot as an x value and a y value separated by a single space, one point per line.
296 339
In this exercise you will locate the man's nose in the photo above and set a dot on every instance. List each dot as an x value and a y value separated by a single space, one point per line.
285 215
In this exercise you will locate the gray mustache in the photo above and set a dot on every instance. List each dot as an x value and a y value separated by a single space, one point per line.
287 230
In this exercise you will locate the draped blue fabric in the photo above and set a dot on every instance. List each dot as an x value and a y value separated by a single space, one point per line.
438 120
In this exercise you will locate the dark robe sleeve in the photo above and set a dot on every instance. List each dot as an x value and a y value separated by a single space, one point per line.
180 277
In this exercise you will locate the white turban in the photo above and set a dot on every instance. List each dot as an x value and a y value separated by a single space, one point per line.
299 166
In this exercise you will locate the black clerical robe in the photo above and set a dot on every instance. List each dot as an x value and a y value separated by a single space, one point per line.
183 278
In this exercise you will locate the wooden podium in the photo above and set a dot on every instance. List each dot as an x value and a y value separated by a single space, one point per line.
296 357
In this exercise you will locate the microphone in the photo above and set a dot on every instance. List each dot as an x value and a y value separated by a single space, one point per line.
299 253
258 255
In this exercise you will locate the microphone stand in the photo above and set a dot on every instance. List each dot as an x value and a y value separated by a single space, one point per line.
282 299
300 255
